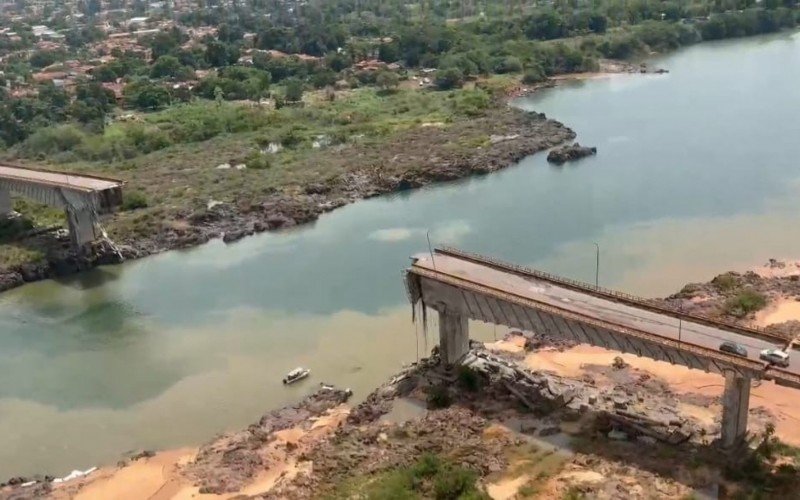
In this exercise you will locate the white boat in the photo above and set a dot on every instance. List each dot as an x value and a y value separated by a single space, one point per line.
298 373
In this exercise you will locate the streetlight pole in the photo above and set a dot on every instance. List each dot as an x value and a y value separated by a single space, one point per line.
597 267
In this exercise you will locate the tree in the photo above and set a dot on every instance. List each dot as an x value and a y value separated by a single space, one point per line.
323 78
170 67
533 74
145 95
337 62
448 78
104 73
43 58
219 54
92 102
294 90
389 52
387 80
164 42
509 64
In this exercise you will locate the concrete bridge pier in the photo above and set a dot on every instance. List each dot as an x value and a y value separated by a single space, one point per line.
6 205
735 406
453 336
81 226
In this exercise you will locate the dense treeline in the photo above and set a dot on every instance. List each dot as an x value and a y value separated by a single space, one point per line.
462 40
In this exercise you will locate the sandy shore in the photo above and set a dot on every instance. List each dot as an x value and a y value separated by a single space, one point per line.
160 477
778 311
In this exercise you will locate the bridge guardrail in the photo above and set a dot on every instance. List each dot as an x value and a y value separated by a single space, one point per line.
623 296
755 367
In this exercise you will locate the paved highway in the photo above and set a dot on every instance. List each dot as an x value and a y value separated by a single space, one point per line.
598 307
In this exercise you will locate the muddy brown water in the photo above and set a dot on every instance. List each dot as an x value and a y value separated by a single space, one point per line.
696 173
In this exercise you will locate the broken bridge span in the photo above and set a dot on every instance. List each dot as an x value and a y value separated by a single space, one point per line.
82 197
462 286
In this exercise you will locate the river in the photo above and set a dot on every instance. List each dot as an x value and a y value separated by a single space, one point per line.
696 173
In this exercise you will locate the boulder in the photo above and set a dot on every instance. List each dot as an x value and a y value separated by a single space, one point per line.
569 152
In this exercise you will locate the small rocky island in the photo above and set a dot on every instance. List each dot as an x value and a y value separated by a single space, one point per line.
569 152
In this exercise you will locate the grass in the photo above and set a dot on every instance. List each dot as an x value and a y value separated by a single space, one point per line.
744 303
12 255
430 477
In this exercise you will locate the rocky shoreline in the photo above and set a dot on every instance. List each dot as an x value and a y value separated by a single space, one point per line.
520 134
507 391
497 417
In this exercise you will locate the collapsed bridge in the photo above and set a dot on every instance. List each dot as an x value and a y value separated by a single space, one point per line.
462 286
82 197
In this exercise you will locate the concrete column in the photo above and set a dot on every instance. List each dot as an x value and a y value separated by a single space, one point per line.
81 227
735 405
6 206
453 337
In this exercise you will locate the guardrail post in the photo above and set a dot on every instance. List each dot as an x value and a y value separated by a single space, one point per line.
453 336
735 406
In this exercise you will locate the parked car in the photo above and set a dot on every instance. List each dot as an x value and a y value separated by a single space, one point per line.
775 357
733 348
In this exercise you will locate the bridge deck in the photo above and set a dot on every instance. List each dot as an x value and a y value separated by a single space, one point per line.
76 182
626 315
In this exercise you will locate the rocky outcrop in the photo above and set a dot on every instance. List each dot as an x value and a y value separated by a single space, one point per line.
570 152
228 462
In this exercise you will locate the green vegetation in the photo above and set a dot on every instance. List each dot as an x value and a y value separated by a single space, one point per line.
744 303
318 45
431 477
439 397
134 200
468 378
364 113
761 469
725 282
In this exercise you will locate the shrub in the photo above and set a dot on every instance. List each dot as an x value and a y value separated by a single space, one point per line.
468 378
51 140
427 466
448 78
11 227
439 397
257 161
725 282
509 64
744 303
453 484
533 74
471 103
133 200
292 137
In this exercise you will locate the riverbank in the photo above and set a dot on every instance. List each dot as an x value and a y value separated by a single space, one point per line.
208 193
530 417
545 433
